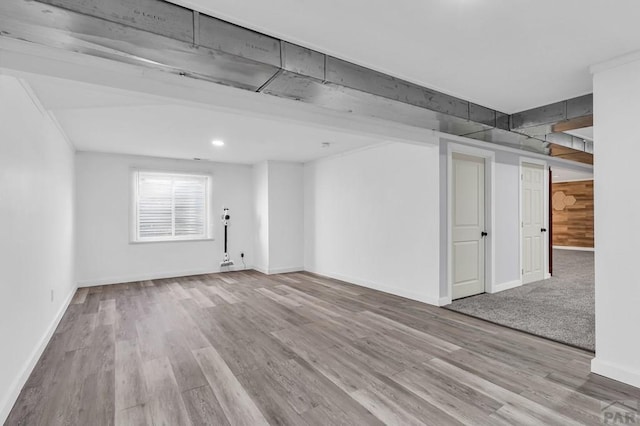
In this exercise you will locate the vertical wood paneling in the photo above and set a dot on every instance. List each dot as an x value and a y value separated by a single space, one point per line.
573 222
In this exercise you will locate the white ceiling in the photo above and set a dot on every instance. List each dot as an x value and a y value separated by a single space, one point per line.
102 119
563 175
505 54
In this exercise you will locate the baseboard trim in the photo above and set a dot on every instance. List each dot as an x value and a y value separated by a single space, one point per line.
285 270
159 276
621 374
16 387
261 269
444 301
505 286
574 248
383 288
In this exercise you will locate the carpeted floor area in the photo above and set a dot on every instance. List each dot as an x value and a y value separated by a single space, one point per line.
561 308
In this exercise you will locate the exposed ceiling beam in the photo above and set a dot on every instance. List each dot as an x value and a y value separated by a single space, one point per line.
572 124
566 153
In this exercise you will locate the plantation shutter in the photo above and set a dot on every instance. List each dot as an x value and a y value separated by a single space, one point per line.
171 206
189 202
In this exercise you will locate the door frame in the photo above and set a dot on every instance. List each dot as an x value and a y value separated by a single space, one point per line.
545 213
489 208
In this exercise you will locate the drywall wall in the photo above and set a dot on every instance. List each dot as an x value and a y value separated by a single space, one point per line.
37 236
507 219
261 216
105 252
279 216
572 213
372 218
286 217
616 111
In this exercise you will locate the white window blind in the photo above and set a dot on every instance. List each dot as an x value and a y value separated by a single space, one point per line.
171 206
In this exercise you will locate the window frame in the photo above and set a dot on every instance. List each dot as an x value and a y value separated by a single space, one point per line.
134 235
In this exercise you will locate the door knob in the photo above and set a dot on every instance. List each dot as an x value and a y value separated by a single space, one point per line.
483 234
543 230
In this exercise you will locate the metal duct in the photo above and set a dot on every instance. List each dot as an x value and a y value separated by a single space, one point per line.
161 35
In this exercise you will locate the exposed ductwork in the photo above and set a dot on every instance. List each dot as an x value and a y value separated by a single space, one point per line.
548 122
158 34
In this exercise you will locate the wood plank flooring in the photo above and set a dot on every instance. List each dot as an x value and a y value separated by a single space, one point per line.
243 348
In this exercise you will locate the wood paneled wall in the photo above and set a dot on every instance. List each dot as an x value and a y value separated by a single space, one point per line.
573 213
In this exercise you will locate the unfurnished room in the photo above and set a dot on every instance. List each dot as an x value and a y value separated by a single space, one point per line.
349 213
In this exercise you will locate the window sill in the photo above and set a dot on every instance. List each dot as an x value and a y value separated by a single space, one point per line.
195 240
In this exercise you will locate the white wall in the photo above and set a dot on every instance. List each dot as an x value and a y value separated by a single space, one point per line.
286 216
279 216
105 253
36 239
507 219
616 111
261 216
372 218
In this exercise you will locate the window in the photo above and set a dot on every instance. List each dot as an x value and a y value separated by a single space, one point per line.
170 206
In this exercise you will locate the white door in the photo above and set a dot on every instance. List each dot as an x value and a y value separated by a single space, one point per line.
467 221
533 229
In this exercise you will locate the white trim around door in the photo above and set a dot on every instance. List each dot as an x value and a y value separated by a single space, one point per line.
489 208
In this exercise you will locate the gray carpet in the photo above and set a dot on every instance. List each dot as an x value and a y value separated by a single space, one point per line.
561 308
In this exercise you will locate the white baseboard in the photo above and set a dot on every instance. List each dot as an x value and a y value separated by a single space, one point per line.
505 286
615 372
444 301
272 271
547 275
157 276
261 269
574 248
385 289
285 270
16 387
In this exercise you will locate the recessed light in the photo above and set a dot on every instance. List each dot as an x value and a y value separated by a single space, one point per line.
217 142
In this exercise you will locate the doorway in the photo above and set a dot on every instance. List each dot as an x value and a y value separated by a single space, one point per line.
468 230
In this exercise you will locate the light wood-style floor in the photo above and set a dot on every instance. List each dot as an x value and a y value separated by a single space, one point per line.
243 348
